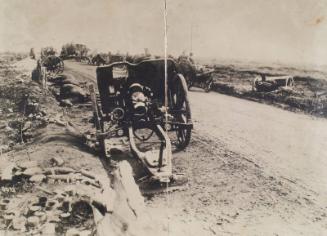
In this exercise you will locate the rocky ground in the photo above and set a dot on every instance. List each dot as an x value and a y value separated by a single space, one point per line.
252 169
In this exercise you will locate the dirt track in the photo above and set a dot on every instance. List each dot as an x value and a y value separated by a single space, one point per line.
253 169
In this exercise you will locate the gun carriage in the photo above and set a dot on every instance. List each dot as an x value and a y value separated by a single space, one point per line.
137 102
53 64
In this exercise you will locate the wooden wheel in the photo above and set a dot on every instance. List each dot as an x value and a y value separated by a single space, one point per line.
182 114
208 86
59 67
98 121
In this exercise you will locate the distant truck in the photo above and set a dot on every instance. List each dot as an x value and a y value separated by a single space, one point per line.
263 83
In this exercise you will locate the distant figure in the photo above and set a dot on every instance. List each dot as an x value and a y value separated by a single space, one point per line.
32 54
190 58
263 77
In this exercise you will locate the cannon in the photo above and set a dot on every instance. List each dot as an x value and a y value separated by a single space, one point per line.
151 110
53 64
98 60
265 83
196 75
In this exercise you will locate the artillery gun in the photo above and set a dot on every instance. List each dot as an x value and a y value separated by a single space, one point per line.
53 64
265 83
196 75
132 103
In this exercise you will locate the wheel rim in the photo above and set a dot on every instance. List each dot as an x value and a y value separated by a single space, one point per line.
180 103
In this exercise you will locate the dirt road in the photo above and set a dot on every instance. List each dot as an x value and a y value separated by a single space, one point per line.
253 169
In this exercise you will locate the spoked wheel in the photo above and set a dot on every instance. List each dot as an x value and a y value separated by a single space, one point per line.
59 67
208 86
98 121
182 114
189 83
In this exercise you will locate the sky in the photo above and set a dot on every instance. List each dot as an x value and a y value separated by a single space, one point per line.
286 31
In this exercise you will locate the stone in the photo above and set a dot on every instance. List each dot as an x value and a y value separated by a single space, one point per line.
64 215
32 171
9 216
58 161
27 126
33 221
85 233
34 208
4 148
72 232
66 103
49 229
7 173
4 204
38 178
27 164
18 223
53 218
42 216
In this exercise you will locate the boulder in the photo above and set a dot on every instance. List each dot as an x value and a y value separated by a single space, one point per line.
32 171
27 164
37 178
49 229
57 161
33 221
18 223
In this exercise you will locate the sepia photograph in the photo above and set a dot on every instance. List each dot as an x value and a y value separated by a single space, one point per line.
163 117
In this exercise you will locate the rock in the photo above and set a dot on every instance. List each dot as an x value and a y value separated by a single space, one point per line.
43 112
4 148
66 103
39 213
8 128
53 217
85 233
27 164
34 208
27 126
18 223
8 218
2 126
72 232
42 216
58 161
32 171
33 221
4 204
38 178
49 229
8 172
64 215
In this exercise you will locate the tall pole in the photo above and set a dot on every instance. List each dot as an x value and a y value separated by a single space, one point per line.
191 37
165 46
166 94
